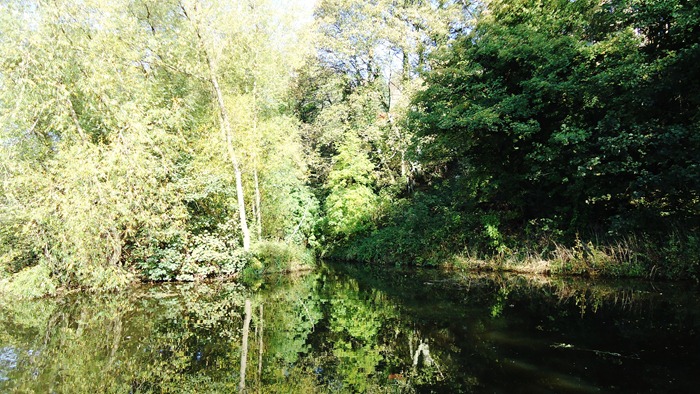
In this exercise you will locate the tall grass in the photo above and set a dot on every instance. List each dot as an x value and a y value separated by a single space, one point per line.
677 257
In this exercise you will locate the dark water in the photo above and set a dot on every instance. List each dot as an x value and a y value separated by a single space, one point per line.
349 329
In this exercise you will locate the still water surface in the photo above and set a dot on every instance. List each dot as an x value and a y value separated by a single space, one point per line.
348 329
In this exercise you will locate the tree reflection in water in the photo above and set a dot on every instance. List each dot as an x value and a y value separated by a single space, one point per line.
347 329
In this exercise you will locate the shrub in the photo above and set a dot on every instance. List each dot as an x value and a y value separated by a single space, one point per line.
31 282
275 256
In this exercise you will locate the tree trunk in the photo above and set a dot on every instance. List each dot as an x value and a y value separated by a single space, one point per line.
244 346
241 207
253 206
226 134
260 345
258 214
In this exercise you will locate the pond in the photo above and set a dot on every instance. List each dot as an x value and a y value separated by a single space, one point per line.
349 329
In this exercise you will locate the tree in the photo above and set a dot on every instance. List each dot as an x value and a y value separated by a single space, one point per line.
225 123
352 204
87 150
568 111
353 96
122 150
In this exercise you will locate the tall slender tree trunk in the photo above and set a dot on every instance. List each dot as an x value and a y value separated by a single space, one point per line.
258 214
258 210
225 127
226 132
253 205
260 344
244 345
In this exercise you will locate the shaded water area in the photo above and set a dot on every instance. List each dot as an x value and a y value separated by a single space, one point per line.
352 329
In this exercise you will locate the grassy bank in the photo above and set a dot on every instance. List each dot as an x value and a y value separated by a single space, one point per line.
673 257
678 258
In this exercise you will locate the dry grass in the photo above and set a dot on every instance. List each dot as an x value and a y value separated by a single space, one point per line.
583 258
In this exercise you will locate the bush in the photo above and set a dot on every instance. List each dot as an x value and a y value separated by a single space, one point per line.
681 257
275 256
31 282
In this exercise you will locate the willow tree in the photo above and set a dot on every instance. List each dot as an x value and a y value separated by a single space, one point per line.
119 147
88 145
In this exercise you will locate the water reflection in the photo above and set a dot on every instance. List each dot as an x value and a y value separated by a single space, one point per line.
350 329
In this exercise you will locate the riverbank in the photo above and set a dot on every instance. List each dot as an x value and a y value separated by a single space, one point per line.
672 257
265 257
675 260
678 258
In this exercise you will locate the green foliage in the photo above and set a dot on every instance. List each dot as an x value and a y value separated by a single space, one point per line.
352 98
111 166
581 259
549 120
217 252
282 257
680 257
290 209
412 135
561 115
32 282
423 230
161 262
351 203
274 257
